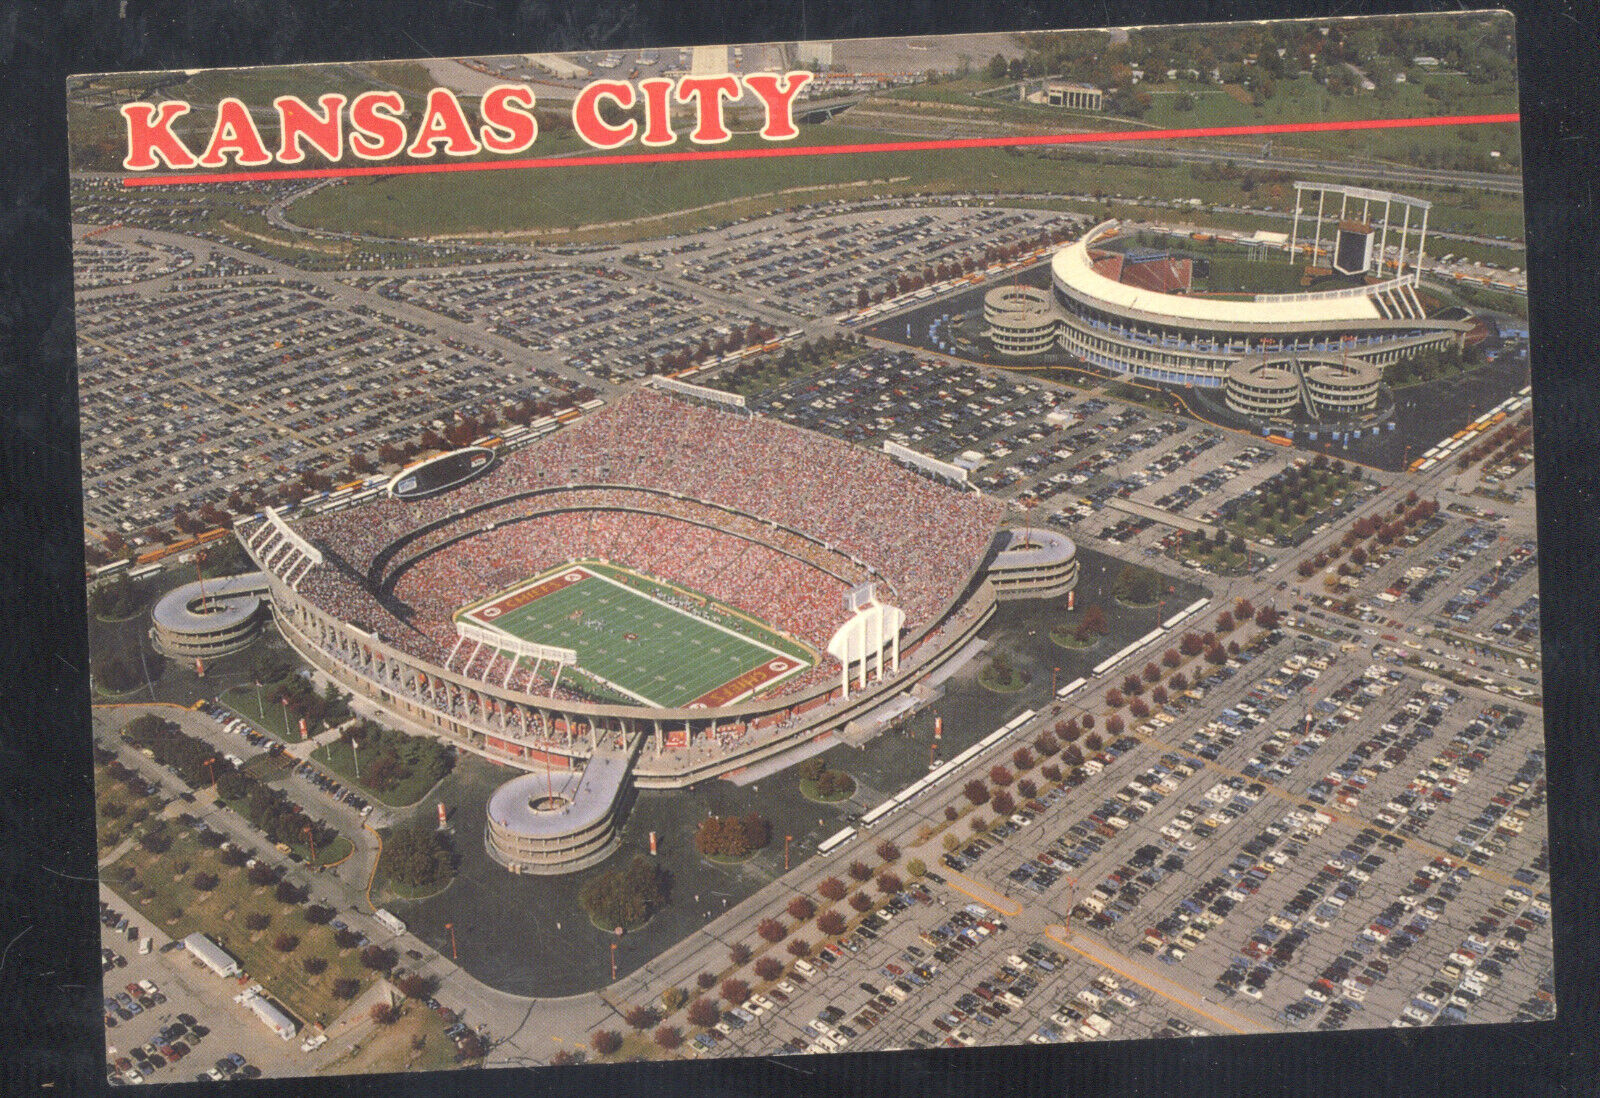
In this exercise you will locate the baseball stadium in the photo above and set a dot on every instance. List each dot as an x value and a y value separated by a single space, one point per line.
666 590
1344 286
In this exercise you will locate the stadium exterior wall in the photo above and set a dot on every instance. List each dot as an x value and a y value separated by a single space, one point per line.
1193 340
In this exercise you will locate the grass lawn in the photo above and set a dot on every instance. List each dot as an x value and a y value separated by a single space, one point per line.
270 717
173 904
390 1048
808 790
1066 638
339 757
990 679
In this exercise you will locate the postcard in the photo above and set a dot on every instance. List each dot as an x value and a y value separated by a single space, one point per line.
811 546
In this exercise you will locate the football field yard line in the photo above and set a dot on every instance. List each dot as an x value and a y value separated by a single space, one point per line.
678 654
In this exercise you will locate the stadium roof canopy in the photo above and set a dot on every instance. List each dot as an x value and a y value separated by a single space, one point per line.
1074 268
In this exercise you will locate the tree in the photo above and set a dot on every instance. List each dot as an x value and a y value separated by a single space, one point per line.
772 930
1022 759
1027 789
831 922
735 990
739 953
379 958
979 823
860 902
706 981
257 920
703 1012
203 881
628 896
1047 745
1052 772
768 968
975 791
799 947
669 1037
916 867
641 1017
314 966
1140 709
418 855
1000 776
318 914
384 1014
1093 742
286 942
605 1041
345 988
801 909
1003 803
832 888
860 871
290 893
413 986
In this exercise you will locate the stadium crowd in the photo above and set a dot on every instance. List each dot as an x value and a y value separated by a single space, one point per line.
767 518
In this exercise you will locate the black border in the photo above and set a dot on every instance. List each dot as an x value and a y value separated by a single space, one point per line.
51 1040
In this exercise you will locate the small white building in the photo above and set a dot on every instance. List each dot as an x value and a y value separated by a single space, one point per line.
211 955
275 1019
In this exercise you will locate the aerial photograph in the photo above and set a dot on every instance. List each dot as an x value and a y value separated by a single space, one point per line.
810 547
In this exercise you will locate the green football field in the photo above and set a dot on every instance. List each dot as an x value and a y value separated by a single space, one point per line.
628 635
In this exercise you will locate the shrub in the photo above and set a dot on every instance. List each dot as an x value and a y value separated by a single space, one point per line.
561 1059
345 988
801 908
735 990
860 871
605 1041
203 881
738 953
384 1014
888 851
860 902
669 1037
798 946
314 966
890 883
286 942
346 939
673 998
641 1017
318 914
1000 776
916 867
706 981
1003 803
769 968
1027 788
257 920
704 1012
832 888
951 812
979 823
772 930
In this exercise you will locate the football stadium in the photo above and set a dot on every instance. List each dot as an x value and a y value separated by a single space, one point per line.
1345 285
666 590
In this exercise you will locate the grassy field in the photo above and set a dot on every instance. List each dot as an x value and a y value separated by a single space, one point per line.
392 1048
627 635
339 757
270 717
168 899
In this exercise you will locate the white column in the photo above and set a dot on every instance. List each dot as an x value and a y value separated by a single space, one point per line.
507 680
894 641
451 657
861 641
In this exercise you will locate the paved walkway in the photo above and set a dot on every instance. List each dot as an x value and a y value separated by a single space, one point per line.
1153 981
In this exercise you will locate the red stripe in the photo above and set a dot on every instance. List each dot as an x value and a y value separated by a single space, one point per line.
819 150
